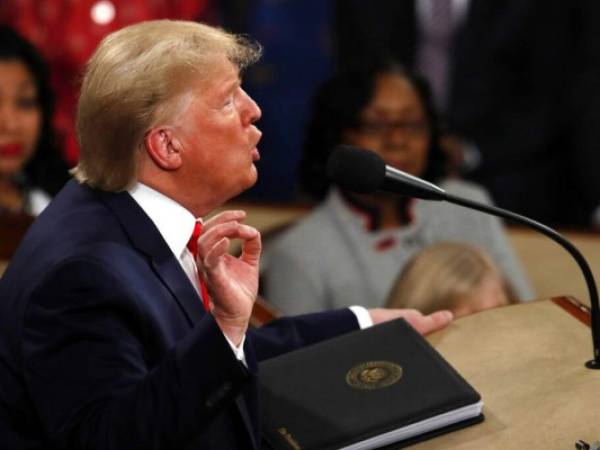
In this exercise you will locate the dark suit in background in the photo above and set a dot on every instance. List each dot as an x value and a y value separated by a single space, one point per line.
105 344
522 87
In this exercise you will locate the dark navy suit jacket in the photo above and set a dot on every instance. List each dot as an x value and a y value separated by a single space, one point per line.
104 343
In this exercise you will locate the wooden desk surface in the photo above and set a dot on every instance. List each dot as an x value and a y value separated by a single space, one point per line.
527 362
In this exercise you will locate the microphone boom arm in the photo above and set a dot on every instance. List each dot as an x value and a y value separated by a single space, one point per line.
559 239
363 171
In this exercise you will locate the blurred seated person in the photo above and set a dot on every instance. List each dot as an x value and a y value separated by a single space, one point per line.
451 275
350 249
31 170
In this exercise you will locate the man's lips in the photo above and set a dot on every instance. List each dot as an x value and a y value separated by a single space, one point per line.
11 149
255 153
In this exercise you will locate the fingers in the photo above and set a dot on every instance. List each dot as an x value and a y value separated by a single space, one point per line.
423 324
231 230
215 254
213 239
433 322
223 217
251 250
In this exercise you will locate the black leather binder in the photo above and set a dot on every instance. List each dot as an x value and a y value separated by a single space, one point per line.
380 387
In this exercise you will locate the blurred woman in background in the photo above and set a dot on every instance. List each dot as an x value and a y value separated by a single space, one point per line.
31 168
350 249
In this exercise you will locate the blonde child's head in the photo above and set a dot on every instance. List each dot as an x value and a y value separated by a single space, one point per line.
450 275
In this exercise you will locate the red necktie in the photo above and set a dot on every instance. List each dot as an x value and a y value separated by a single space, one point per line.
192 246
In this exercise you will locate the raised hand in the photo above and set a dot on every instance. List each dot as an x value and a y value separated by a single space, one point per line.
232 282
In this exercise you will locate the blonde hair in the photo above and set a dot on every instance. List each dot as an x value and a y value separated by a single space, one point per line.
133 80
441 275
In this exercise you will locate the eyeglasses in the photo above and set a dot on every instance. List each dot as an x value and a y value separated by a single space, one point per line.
411 128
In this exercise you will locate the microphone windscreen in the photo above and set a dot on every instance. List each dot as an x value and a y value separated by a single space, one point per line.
355 169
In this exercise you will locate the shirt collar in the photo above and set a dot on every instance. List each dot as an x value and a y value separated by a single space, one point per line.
174 222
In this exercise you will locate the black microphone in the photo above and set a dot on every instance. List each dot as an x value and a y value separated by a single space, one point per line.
363 171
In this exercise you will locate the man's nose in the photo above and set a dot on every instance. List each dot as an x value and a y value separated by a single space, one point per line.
253 110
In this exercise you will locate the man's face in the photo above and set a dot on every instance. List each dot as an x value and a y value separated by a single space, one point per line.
218 138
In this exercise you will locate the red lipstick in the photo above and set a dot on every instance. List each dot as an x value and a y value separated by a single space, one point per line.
11 150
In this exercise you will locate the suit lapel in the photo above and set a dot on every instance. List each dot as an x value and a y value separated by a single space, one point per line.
146 238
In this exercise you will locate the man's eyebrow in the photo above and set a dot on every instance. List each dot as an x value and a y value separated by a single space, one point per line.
233 85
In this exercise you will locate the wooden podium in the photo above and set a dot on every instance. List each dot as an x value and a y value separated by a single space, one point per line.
527 362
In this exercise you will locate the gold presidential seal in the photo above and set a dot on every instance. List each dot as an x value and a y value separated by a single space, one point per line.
374 375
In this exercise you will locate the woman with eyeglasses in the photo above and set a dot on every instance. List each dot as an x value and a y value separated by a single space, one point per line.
350 248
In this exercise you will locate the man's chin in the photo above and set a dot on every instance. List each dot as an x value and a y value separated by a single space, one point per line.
248 183
253 176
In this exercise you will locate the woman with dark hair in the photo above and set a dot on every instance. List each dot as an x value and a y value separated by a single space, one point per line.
349 250
337 110
31 169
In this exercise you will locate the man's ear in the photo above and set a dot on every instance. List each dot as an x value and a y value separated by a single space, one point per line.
163 148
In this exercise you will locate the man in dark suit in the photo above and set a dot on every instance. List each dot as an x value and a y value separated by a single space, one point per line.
118 330
518 90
